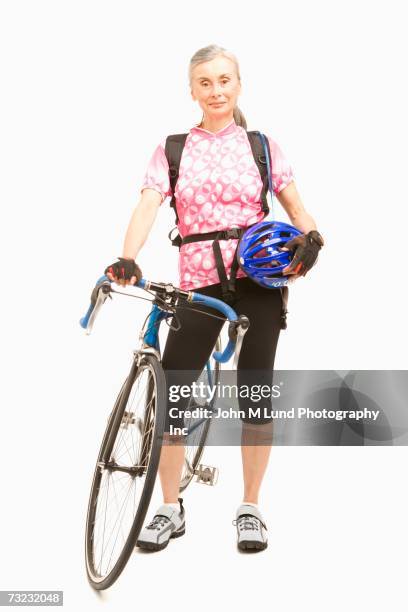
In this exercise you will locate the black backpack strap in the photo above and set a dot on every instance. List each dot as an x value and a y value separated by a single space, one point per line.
285 294
227 286
222 275
173 150
233 275
260 159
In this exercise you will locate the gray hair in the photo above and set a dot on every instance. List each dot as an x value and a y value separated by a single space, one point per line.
207 54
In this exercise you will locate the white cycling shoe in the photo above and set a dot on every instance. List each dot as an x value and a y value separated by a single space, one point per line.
251 528
167 523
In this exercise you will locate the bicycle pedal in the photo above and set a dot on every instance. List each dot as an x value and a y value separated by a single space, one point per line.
206 474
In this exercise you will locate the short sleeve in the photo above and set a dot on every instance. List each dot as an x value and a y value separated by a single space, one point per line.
157 173
282 172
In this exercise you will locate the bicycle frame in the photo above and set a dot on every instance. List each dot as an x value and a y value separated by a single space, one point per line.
151 336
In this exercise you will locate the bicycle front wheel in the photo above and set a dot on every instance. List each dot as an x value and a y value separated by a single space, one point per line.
125 472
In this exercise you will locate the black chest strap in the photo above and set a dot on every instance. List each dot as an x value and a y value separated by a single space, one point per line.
227 285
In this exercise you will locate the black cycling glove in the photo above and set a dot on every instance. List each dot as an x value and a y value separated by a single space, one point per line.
305 249
124 269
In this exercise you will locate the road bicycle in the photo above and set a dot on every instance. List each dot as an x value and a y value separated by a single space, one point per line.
129 455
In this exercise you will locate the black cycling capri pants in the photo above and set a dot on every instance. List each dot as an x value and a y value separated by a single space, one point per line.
190 347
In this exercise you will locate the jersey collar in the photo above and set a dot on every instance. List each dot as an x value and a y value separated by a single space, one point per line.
230 128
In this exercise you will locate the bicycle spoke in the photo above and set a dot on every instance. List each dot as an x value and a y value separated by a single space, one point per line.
123 487
103 550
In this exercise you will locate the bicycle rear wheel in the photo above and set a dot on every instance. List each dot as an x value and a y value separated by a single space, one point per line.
198 432
125 472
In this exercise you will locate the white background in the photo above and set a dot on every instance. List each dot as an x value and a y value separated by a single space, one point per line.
88 91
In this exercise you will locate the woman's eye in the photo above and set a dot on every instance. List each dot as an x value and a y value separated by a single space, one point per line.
224 82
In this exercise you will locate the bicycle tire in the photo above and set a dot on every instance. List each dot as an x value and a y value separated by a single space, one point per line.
102 581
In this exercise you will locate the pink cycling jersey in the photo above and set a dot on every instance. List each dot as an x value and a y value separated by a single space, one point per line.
219 187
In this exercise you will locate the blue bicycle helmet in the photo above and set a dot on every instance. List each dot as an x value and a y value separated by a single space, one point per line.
258 252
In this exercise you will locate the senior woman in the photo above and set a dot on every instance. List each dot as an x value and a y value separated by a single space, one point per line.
218 188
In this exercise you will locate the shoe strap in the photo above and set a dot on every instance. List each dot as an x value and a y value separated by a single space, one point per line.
166 511
247 510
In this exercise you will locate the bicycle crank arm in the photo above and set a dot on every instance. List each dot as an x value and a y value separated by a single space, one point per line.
206 474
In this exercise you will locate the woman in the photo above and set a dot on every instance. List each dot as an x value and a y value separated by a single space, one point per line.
219 187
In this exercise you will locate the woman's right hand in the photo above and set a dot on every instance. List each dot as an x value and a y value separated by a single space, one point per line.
124 272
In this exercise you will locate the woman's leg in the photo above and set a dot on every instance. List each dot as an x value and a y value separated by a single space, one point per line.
170 469
263 308
187 350
255 457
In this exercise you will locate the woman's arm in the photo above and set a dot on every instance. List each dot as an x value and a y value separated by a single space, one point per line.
291 202
138 230
141 222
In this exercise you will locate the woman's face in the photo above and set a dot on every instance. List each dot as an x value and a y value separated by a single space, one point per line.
216 87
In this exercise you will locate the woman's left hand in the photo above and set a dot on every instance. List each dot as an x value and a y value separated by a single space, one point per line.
305 249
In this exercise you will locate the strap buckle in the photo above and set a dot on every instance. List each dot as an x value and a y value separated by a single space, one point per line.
234 232
176 241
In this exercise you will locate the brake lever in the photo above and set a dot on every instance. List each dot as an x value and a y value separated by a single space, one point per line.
98 297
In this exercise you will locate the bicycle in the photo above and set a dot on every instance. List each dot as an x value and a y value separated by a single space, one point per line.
129 455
